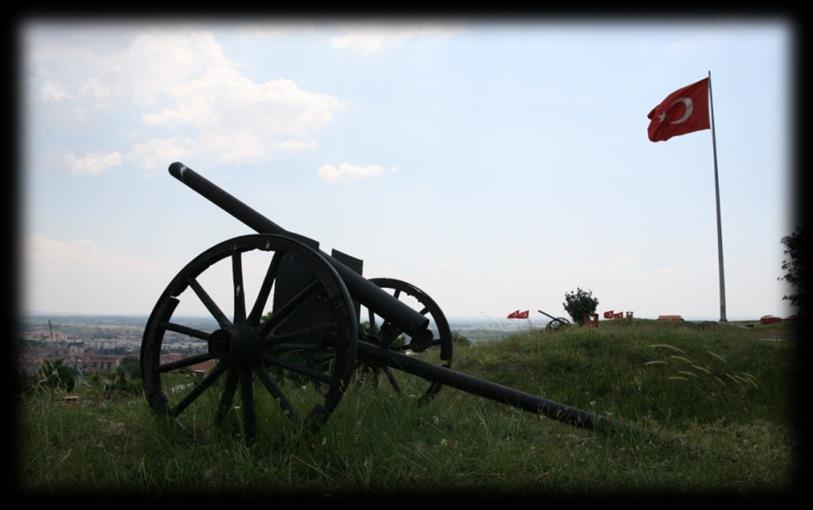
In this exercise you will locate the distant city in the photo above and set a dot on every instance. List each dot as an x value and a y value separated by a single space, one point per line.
92 344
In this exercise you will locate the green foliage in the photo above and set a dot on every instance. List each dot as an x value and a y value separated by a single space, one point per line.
131 367
796 267
459 339
122 382
380 442
54 375
579 303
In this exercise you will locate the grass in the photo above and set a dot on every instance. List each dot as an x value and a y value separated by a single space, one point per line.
716 387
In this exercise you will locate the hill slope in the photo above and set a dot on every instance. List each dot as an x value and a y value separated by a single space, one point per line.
718 387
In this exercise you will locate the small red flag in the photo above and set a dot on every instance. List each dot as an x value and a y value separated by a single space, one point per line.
523 315
619 315
683 111
608 314
513 315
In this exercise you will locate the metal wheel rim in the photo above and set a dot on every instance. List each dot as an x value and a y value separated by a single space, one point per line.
431 309
240 369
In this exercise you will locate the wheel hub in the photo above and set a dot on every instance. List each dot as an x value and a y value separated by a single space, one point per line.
239 342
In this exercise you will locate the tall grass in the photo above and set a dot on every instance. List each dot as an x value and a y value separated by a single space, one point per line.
379 442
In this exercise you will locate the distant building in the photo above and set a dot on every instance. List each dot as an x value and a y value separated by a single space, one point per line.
202 368
92 362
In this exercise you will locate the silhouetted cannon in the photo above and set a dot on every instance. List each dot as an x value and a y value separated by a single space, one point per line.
306 349
555 322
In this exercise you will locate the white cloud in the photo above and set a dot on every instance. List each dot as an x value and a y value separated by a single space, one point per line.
371 40
188 95
93 164
233 148
349 172
251 31
156 153
295 145
51 91
95 89
234 119
197 111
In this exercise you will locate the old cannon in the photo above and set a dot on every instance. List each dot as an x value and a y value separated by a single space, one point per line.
306 349
555 323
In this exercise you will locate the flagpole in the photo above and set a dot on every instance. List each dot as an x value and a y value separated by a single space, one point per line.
717 197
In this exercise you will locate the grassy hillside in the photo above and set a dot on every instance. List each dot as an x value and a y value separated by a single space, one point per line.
722 389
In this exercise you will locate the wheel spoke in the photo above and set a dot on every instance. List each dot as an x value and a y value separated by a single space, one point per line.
199 389
285 311
303 334
293 367
373 326
227 397
247 400
392 380
389 334
252 356
262 374
239 291
178 328
192 360
296 346
265 291
209 304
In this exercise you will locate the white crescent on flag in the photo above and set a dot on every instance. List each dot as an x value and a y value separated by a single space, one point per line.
687 102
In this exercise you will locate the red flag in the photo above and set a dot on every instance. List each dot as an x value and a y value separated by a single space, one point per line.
619 315
523 315
608 314
513 315
683 111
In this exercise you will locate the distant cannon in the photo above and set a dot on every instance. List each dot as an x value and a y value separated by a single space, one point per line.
555 323
305 351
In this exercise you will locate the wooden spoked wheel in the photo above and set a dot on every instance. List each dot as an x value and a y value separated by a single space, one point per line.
303 353
557 323
383 332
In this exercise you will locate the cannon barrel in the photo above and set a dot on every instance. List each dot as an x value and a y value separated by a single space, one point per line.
497 392
547 314
362 290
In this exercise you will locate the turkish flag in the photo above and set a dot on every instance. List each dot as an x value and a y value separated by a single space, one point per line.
608 314
683 111
523 315
513 315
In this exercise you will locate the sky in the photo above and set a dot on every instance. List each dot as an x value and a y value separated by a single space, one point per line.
495 164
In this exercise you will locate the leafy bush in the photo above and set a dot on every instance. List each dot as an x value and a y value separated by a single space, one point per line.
131 367
579 303
53 375
796 269
458 339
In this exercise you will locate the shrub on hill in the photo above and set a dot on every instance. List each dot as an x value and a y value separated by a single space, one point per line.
579 303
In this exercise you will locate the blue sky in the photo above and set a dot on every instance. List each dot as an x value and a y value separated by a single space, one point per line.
496 165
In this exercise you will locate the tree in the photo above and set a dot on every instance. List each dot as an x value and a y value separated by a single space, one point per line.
796 269
579 303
